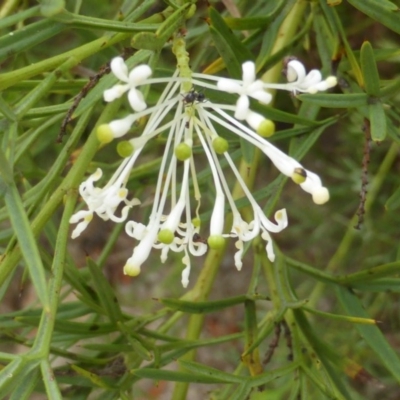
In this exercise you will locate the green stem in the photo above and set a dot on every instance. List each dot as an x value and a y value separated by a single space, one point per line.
43 338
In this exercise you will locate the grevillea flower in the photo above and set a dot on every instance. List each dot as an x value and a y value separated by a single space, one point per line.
136 77
174 221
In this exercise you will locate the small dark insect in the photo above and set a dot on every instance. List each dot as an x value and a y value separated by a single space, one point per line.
198 239
193 96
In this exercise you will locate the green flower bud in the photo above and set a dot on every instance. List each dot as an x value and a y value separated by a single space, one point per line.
166 236
124 149
266 128
216 242
183 151
220 145
104 133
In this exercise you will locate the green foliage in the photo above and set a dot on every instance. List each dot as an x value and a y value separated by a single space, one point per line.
321 322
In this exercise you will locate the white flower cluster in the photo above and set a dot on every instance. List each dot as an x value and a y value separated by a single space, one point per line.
172 224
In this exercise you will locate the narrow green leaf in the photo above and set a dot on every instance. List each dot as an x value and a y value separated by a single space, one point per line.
13 374
105 291
242 392
383 11
335 364
92 377
202 307
377 119
23 231
353 320
334 18
201 369
138 345
174 376
251 358
24 392
378 285
76 20
250 23
333 100
268 376
282 116
18 17
371 273
371 334
34 96
78 328
314 272
248 151
31 35
230 48
369 70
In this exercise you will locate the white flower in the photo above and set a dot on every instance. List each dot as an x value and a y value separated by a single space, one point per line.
249 86
172 225
138 76
104 202
299 81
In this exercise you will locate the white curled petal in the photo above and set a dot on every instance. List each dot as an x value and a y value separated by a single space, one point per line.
115 92
228 85
135 230
269 247
86 217
186 271
79 229
312 78
280 217
79 215
136 100
295 71
238 255
119 69
323 85
139 74
242 107
249 72
197 248
86 188
262 96
164 253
